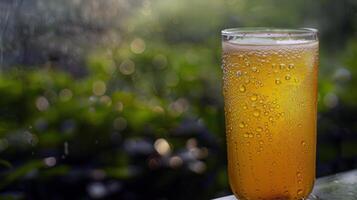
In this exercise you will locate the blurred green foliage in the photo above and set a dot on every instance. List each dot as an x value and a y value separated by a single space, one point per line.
141 116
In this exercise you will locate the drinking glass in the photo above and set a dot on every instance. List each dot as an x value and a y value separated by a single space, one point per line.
270 97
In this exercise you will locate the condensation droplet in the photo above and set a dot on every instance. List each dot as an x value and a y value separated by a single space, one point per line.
299 192
254 69
256 113
241 125
277 81
239 73
259 129
242 88
246 135
287 77
291 66
303 143
282 66
253 97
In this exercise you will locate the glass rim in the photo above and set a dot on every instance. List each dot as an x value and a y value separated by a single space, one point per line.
265 32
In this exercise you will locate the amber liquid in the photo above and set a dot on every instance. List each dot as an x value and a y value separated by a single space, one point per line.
270 94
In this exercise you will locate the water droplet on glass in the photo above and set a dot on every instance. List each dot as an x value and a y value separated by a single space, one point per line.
282 66
253 97
246 135
259 129
287 77
303 143
242 88
299 192
241 125
256 113
277 81
291 66
254 69
239 73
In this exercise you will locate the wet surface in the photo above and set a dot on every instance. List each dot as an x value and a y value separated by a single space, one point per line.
338 186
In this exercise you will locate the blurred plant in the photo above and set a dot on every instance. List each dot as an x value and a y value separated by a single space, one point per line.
121 99
121 122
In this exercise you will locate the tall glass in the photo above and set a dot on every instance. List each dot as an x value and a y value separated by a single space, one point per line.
270 95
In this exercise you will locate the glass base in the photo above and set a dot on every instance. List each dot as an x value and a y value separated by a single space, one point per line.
232 197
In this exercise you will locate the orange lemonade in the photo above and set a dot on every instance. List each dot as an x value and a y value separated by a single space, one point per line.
270 94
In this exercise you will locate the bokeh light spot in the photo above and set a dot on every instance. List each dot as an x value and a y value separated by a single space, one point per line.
50 161
198 167
162 146
106 100
138 46
175 162
127 67
120 123
119 106
99 88
65 95
42 103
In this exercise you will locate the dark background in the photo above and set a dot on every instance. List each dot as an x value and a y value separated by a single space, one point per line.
121 99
